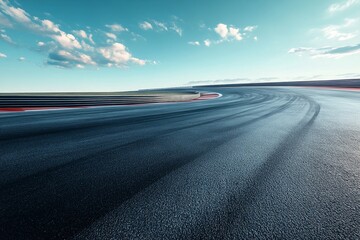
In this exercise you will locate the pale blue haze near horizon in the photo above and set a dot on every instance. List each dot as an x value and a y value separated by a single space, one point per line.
127 45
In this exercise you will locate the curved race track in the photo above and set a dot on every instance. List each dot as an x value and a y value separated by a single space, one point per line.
257 163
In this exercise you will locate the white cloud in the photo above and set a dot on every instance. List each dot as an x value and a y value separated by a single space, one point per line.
86 47
86 59
228 33
332 32
80 33
6 38
2 55
340 32
91 39
177 29
250 28
138 61
145 26
115 53
301 50
195 43
222 30
48 26
207 42
338 7
81 58
21 59
67 40
116 27
17 14
327 52
40 44
111 36
52 30
161 26
235 33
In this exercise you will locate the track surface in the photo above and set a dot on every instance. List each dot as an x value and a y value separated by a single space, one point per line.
256 163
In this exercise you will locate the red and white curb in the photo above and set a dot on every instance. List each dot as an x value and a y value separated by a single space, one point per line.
207 96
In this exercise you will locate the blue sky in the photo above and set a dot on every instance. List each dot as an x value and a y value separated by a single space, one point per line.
92 45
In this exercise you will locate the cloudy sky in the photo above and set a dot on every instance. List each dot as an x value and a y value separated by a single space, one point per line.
114 45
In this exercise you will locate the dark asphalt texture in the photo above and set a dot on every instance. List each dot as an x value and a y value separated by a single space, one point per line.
257 163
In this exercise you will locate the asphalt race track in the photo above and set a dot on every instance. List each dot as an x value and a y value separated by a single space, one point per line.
257 163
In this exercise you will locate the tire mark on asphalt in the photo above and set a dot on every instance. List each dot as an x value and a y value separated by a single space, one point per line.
239 202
